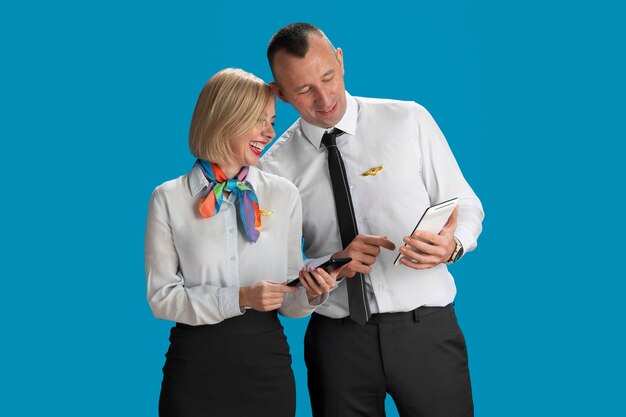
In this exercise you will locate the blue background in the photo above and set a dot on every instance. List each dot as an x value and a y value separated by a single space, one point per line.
96 100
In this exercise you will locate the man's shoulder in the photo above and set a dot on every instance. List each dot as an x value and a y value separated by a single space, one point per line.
282 150
391 107
386 102
276 182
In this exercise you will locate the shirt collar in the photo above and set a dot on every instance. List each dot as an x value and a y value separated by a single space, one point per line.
347 124
198 182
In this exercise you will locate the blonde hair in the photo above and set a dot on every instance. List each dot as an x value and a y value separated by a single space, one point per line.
230 104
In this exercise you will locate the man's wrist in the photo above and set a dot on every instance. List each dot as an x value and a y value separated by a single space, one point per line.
457 253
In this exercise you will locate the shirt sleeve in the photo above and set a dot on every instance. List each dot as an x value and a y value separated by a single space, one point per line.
297 304
167 294
444 180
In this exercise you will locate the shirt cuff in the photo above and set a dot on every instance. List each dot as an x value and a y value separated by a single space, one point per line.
465 239
317 301
228 302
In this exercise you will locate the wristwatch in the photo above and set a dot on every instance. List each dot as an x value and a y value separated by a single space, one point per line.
458 252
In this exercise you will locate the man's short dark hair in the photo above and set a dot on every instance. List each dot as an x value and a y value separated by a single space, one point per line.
292 39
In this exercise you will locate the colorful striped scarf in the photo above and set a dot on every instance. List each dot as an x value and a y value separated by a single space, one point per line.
245 198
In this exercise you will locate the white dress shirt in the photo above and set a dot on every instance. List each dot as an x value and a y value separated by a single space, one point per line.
418 170
195 266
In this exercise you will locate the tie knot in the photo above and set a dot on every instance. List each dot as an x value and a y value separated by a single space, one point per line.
330 138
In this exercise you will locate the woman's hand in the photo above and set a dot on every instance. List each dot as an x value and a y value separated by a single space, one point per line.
316 281
264 295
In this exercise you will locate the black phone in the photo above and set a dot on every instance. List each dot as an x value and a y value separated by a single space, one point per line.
327 266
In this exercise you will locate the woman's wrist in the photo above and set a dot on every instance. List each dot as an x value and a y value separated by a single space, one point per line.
243 297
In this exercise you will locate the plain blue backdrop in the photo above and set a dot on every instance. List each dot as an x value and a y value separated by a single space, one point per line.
96 99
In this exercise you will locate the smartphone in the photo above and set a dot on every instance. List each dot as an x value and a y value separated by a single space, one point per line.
433 219
328 266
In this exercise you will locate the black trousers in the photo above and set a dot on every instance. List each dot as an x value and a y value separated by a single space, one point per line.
419 358
240 367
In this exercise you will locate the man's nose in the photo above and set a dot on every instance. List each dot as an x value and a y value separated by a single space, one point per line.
323 98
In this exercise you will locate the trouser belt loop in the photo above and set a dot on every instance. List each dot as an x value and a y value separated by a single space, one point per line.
416 317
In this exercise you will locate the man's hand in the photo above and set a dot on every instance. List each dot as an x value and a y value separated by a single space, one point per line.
364 249
264 295
426 249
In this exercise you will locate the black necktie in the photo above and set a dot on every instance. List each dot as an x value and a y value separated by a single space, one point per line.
357 297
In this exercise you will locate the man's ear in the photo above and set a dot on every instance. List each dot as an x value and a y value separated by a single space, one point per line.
278 91
340 60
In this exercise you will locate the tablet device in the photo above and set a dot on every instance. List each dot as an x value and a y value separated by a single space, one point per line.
433 219
327 266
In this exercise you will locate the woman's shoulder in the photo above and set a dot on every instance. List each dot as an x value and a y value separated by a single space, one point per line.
172 184
173 187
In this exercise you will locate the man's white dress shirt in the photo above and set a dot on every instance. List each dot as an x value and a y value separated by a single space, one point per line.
418 170
195 266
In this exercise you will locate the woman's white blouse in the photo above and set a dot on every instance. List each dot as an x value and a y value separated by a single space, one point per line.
195 266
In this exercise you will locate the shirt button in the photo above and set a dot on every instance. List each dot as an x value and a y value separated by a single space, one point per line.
231 230
232 258
351 187
381 287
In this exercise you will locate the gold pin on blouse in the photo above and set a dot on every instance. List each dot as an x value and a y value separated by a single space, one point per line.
373 171
265 212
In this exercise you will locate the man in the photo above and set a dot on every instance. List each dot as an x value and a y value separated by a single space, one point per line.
366 170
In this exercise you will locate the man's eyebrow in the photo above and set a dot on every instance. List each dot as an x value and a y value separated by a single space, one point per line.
326 74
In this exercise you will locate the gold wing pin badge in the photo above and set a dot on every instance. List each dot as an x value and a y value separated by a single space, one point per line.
373 171
266 212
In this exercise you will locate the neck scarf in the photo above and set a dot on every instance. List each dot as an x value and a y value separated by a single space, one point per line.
246 200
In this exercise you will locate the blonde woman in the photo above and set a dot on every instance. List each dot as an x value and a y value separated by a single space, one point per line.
220 244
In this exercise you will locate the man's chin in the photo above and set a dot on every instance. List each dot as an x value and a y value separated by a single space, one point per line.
326 122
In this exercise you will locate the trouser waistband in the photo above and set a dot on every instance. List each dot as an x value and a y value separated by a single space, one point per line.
380 318
251 322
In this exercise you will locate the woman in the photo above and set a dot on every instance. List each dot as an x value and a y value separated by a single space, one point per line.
217 241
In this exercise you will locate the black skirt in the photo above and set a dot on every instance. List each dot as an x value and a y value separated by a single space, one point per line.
239 367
